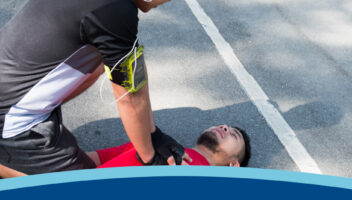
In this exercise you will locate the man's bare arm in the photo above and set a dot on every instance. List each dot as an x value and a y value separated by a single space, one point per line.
135 112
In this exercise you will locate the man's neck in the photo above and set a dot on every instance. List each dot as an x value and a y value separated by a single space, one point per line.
206 153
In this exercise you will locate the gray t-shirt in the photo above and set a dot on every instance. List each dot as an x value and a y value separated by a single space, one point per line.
50 47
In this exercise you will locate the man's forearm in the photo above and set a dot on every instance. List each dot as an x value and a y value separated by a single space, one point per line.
136 115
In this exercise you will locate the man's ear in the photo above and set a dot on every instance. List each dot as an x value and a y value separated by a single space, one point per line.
234 163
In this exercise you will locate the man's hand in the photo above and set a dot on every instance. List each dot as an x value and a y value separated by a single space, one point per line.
168 148
167 151
159 160
156 160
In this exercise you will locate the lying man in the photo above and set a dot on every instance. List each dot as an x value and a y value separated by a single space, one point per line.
218 146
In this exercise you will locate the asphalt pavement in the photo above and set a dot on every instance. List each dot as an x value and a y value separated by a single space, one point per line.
298 52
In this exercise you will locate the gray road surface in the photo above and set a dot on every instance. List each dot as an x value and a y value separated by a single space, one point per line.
299 52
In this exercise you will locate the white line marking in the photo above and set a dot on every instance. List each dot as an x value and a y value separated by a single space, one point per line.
274 119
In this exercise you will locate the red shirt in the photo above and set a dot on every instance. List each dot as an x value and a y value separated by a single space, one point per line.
125 155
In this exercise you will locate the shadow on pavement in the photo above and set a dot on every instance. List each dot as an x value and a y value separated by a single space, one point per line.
185 125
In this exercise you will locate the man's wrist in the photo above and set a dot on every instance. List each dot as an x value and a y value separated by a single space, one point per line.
150 162
166 146
147 157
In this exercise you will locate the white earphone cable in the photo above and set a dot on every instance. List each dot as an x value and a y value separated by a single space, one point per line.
118 62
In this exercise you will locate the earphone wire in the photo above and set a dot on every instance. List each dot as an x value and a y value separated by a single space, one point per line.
118 62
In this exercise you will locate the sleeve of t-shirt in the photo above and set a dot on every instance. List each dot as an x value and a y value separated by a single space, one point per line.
112 29
128 158
110 153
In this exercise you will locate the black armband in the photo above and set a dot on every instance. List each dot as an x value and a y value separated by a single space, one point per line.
131 73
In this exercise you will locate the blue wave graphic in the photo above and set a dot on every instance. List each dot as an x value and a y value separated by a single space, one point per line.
176 181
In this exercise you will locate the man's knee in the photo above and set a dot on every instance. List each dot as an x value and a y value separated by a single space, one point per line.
6 172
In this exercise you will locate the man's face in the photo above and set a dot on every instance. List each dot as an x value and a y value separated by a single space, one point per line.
229 140
146 5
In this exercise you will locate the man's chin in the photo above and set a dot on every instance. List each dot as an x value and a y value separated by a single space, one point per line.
209 140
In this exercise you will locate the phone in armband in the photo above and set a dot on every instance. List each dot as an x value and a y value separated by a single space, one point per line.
131 73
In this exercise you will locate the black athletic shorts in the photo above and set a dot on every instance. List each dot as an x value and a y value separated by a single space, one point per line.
47 147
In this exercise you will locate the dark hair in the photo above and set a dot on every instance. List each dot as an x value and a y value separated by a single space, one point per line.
247 153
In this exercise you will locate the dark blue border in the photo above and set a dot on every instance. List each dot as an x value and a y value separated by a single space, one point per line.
178 188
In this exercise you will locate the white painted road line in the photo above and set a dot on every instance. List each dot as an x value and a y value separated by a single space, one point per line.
273 117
